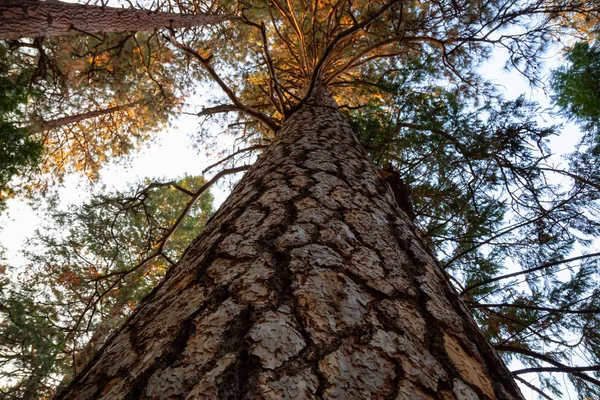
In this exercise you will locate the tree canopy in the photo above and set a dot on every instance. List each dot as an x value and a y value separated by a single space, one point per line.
483 178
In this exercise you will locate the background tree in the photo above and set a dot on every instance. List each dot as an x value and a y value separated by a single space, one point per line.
91 266
576 88
122 85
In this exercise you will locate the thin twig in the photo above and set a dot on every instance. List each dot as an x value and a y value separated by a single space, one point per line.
169 233
558 366
532 387
229 157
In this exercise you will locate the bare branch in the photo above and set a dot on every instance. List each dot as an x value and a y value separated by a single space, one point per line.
532 387
33 18
229 157
169 233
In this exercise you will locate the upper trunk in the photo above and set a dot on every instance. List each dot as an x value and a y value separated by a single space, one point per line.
308 283
33 18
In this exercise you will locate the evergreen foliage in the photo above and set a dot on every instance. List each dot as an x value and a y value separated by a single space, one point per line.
19 150
100 97
577 85
577 91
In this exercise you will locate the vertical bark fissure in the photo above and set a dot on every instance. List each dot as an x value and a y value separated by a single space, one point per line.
308 283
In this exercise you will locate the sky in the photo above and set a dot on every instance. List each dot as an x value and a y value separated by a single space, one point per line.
172 155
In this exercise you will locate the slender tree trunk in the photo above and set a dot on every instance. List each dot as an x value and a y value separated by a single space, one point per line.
33 18
36 127
308 283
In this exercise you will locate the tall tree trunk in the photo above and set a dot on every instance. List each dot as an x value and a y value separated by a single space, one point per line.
308 283
33 18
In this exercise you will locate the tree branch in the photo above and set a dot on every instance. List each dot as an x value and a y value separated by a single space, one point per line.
169 233
267 121
34 18
526 271
558 367
532 387
316 74
510 229
565 369
527 307
229 157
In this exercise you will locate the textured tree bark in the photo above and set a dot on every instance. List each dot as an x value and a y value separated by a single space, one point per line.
308 283
33 18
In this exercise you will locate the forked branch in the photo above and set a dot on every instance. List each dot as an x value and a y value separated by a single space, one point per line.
327 53
205 61
160 245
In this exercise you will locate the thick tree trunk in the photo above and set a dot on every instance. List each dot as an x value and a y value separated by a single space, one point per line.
33 18
308 283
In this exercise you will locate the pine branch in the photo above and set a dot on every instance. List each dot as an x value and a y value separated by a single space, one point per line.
92 302
316 74
538 308
527 271
33 18
510 229
171 230
575 177
278 102
565 369
221 108
537 320
558 367
172 184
